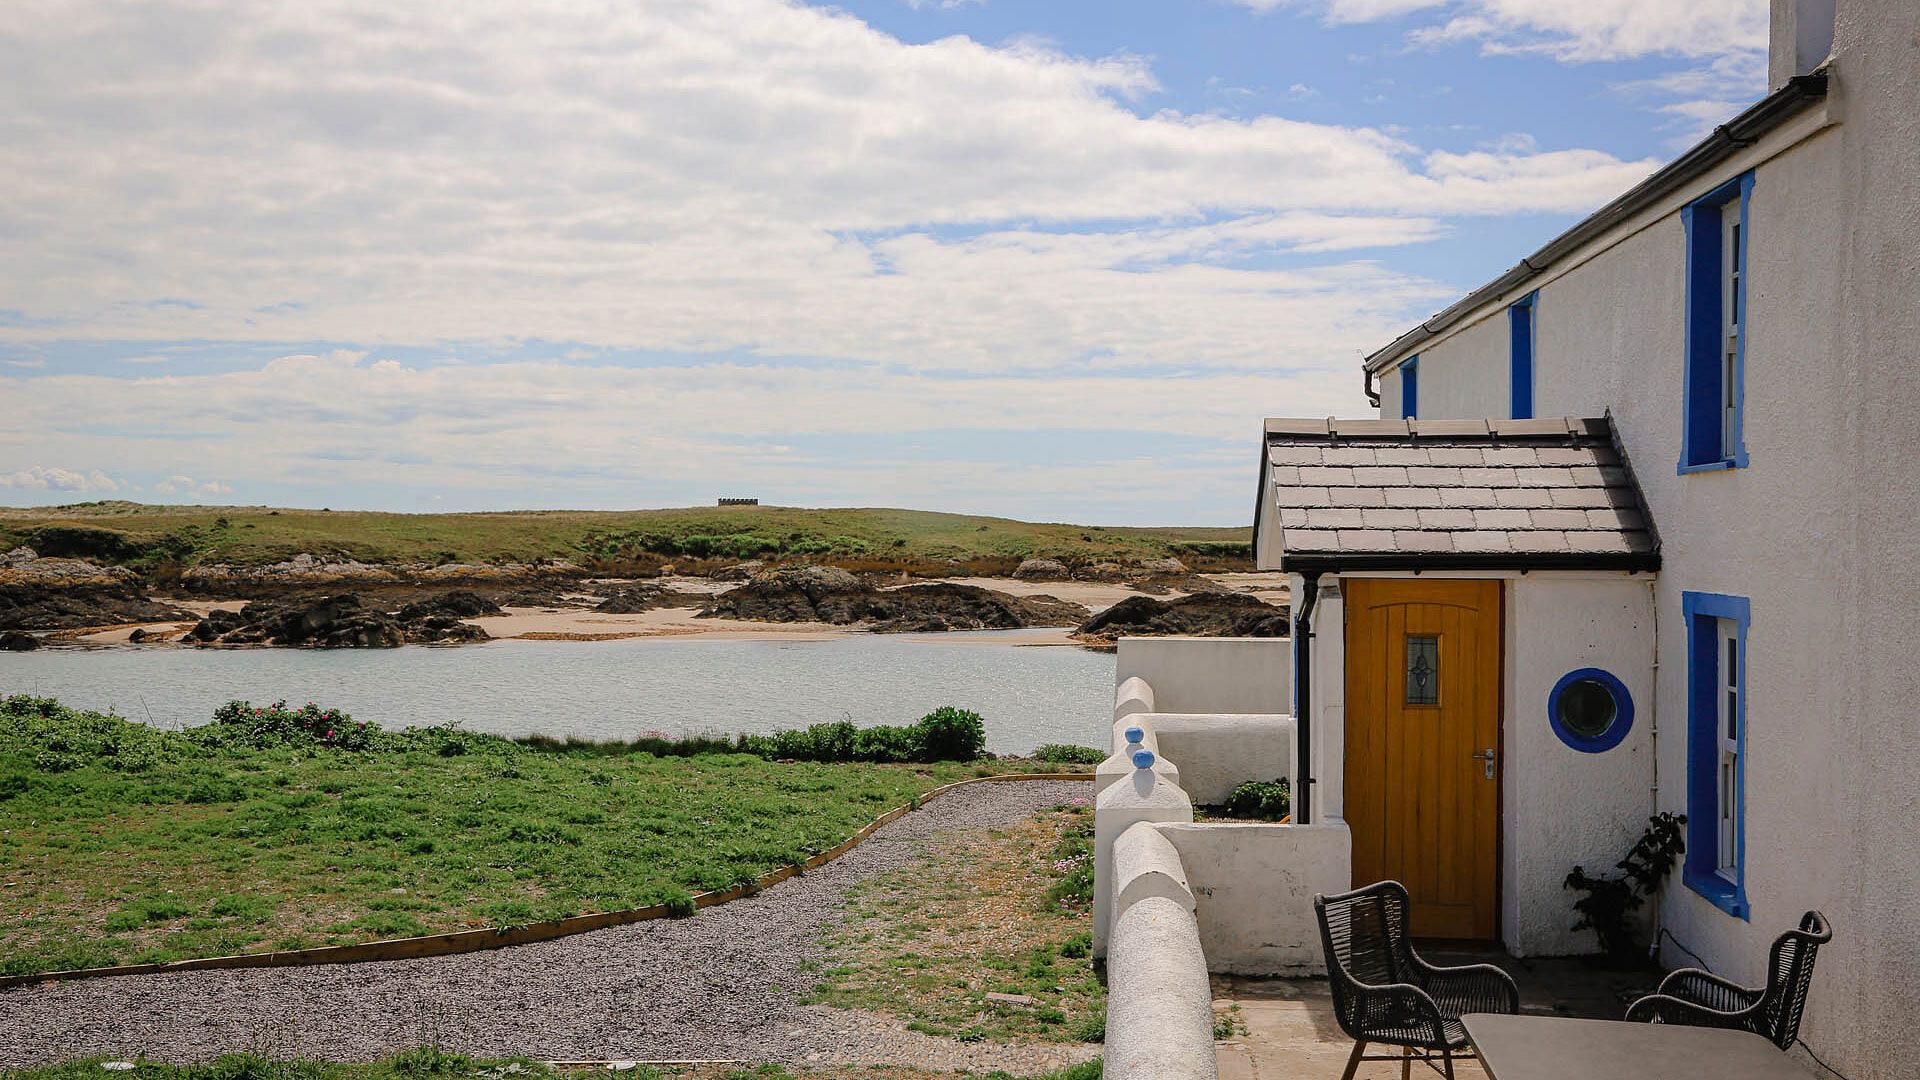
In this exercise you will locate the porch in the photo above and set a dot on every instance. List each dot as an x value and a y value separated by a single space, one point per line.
1286 1027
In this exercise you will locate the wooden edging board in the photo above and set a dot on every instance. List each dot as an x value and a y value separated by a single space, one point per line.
466 941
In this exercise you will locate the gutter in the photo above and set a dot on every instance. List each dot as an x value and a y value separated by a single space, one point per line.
1770 112
1643 561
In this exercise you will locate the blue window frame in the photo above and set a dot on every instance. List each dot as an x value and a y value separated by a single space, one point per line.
1410 388
1716 318
1520 356
1590 709
1716 635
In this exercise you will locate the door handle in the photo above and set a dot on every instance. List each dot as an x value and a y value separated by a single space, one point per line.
1485 757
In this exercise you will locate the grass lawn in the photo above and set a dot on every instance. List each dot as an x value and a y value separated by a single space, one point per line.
429 1064
121 844
157 537
1011 915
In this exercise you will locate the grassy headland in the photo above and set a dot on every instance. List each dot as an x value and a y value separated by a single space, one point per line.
160 539
276 829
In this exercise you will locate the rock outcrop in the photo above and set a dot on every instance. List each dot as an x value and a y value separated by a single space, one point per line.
1200 615
15 641
343 621
1043 570
830 595
308 570
39 593
949 606
634 599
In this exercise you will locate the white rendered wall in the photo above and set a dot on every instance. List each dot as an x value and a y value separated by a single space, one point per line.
1560 806
1819 531
1253 886
1217 752
1389 386
1465 374
1210 674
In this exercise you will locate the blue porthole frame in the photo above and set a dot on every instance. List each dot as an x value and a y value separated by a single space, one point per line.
1622 706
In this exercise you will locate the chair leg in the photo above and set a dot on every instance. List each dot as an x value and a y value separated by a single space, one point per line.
1446 1058
1406 1062
1353 1060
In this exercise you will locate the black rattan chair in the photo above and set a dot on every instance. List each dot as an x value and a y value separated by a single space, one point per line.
1384 993
1702 999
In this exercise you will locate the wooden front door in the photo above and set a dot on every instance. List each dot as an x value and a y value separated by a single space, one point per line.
1422 738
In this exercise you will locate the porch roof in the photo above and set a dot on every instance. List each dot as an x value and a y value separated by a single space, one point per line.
1450 494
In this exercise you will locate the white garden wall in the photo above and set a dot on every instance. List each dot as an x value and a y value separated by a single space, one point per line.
1253 886
1210 674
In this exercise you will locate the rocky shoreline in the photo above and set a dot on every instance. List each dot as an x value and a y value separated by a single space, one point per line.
308 602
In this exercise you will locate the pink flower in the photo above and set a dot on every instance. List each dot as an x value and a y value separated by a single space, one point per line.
329 733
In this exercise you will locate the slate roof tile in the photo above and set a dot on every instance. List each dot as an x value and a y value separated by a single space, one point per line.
1356 496
1412 496
1524 498
1330 475
1347 455
1470 497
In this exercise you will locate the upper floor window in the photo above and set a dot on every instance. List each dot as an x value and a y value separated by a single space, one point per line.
1716 226
1410 388
1520 356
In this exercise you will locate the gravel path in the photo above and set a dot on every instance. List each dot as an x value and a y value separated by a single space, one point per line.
722 984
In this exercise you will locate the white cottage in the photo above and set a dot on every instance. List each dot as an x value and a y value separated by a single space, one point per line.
1638 530
1730 632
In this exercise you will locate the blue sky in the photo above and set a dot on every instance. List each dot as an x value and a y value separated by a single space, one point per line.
1052 261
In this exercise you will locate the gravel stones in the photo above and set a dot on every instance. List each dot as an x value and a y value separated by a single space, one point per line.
725 983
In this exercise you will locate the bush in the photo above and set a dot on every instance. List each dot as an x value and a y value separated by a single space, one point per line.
1066 754
57 739
277 725
951 734
946 734
1260 800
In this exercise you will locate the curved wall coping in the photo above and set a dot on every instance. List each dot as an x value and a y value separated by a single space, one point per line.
466 941
1145 863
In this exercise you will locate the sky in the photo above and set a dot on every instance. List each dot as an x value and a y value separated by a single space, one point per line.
1048 260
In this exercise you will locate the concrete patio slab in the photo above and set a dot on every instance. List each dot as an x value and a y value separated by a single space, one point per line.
1290 1032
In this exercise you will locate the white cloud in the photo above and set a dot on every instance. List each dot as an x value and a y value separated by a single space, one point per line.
710 175
1698 98
45 478
178 484
572 434
1574 31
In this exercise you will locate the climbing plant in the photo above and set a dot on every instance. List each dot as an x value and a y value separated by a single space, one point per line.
1609 901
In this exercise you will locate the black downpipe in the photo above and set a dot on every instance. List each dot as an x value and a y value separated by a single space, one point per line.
1303 696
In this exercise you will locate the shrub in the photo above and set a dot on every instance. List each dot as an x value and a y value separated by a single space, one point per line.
1067 754
946 734
951 734
57 739
1260 800
1609 901
277 725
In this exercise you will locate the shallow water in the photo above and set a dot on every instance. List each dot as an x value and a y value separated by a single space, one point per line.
1029 695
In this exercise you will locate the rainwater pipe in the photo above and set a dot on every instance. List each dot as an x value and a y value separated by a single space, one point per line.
1303 695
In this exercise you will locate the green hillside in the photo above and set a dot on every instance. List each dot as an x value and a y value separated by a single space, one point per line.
160 538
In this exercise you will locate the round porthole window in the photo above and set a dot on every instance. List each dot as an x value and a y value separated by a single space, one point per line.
1590 710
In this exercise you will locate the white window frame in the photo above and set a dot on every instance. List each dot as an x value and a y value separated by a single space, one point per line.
1731 699
1732 263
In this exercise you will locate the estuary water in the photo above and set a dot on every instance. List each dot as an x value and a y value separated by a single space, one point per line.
1029 695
